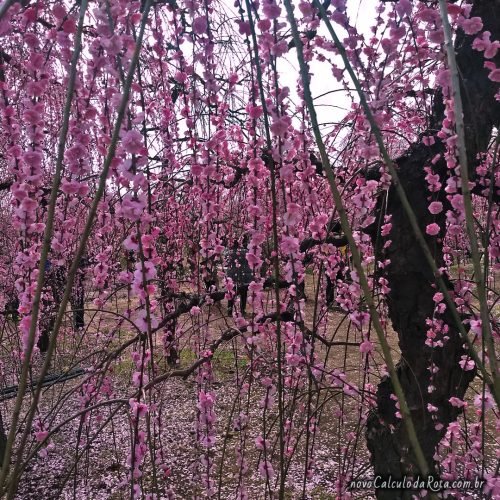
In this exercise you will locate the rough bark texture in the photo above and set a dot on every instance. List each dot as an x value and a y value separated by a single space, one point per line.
3 440
411 280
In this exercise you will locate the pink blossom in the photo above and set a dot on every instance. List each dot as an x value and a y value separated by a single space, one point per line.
205 400
435 207
255 112
471 26
494 75
457 402
260 442
200 25
289 244
476 326
270 9
366 347
131 242
279 127
59 11
195 311
466 363
41 435
132 141
149 270
266 469
181 76
484 44
280 48
403 8
75 152
454 9
432 229
489 402
264 25
132 207
32 116
28 204
139 379
244 28
293 214
266 382
138 409
428 140
70 187
431 408
386 229
33 158
306 8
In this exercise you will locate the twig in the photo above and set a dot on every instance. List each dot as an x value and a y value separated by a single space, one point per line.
45 245
398 389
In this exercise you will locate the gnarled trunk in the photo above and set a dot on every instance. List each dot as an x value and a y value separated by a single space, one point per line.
411 280
3 440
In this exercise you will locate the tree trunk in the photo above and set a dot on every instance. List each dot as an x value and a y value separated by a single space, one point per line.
3 440
411 280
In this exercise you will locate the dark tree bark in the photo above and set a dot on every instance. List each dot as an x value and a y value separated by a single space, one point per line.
3 440
411 279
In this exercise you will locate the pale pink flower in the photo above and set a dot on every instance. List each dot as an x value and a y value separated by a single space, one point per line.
489 402
293 214
195 311
271 10
132 141
471 26
41 435
494 76
366 347
289 244
435 207
432 229
457 402
200 25
279 127
254 112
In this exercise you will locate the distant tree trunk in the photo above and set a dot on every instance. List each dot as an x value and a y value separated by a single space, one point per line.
3 440
411 280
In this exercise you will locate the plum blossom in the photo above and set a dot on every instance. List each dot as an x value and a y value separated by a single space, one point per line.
457 402
133 206
466 363
432 229
254 112
266 469
132 141
483 43
279 127
138 409
494 75
366 347
270 9
200 25
435 207
289 244
489 402
293 214
195 311
471 26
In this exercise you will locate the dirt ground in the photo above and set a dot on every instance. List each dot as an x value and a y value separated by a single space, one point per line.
101 471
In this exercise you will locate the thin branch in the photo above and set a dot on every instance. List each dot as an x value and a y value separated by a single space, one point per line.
398 389
76 261
47 237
